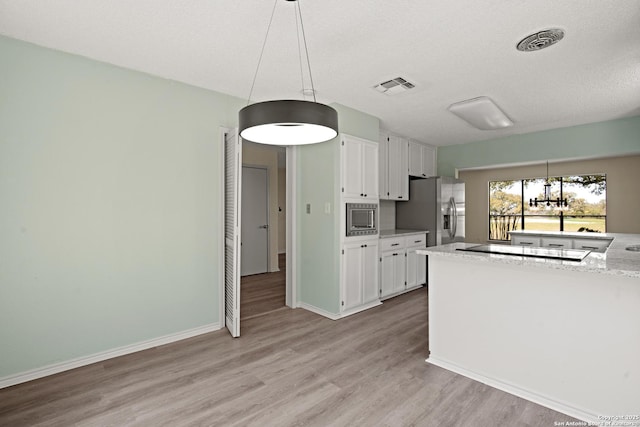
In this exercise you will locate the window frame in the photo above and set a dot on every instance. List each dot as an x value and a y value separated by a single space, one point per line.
523 202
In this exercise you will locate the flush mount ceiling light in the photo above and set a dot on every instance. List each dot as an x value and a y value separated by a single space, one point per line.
481 113
540 40
288 122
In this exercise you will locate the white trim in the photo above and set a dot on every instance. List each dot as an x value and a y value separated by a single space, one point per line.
540 399
291 298
104 355
360 308
319 311
404 291
334 316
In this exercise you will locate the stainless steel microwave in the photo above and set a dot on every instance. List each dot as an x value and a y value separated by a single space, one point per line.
362 219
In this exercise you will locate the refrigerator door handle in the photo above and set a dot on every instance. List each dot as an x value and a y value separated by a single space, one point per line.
454 211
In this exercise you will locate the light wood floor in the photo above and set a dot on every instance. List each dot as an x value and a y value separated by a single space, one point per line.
289 368
263 293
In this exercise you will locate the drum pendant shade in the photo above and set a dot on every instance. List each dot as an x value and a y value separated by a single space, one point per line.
288 122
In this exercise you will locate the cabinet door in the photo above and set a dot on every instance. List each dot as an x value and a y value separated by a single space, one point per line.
421 269
352 168
352 276
403 171
369 164
412 268
428 161
395 164
383 167
399 271
370 285
415 159
387 274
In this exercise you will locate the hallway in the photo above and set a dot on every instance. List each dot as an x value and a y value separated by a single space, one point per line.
263 293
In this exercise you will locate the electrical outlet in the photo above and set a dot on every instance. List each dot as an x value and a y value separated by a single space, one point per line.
308 208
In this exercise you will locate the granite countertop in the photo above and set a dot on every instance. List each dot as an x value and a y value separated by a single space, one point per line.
399 232
566 234
616 260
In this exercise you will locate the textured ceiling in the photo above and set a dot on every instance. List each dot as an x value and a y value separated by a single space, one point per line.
451 51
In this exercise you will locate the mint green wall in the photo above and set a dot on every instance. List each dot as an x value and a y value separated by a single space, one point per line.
319 233
603 139
111 215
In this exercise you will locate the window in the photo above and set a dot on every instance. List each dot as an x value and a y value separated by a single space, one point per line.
509 207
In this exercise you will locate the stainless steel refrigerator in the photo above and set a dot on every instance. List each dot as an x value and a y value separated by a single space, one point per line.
435 204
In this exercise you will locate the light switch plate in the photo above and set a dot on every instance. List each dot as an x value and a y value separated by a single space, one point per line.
308 208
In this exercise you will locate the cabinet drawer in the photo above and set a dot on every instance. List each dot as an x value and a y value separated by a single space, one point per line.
525 241
392 244
550 242
416 241
596 245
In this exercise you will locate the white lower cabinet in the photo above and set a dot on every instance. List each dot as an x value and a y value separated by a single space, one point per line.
416 264
400 267
392 272
562 242
359 274
416 268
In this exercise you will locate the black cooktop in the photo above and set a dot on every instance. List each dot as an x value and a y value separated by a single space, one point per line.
529 251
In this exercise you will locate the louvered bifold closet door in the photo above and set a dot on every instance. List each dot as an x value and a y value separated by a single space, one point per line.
232 189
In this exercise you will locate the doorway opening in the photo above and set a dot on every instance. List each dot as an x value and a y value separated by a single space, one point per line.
281 274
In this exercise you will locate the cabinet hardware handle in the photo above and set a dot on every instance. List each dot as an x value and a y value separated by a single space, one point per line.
589 247
399 197
395 254
525 243
361 194
395 244
556 245
365 246
417 241
365 195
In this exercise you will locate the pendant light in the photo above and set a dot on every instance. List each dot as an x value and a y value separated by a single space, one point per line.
559 203
288 122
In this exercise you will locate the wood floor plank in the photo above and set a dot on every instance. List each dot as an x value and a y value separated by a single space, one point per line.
289 368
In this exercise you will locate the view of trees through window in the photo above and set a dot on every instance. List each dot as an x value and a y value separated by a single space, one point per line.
509 205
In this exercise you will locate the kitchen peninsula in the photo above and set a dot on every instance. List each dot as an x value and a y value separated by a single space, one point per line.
564 334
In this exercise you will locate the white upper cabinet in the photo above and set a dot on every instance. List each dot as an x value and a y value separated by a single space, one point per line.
394 179
359 159
383 166
422 160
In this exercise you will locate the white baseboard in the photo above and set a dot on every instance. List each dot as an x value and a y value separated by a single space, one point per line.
319 311
563 407
334 316
361 308
104 355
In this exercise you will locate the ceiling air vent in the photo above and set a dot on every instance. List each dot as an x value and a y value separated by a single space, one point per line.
540 40
394 86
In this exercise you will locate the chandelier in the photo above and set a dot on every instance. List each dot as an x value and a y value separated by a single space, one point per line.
548 201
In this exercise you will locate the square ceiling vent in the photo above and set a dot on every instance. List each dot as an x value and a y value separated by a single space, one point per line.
394 86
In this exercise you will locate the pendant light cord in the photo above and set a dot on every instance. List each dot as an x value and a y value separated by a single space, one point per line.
306 51
255 76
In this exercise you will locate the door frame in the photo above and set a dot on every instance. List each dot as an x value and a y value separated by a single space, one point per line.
291 297
269 219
